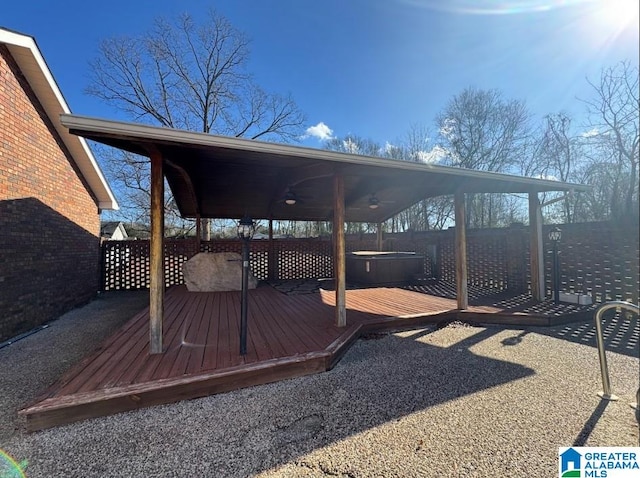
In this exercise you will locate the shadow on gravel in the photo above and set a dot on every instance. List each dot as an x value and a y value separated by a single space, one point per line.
378 382
242 433
590 424
620 331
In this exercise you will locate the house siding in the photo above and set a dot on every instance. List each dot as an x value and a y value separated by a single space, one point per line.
49 220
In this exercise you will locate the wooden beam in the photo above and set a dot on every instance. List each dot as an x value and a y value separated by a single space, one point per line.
156 260
340 250
536 254
461 252
188 182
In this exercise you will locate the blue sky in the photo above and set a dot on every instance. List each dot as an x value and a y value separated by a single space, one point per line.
369 67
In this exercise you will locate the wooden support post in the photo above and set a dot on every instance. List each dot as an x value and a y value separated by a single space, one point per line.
536 253
461 252
271 264
339 250
198 234
379 237
156 260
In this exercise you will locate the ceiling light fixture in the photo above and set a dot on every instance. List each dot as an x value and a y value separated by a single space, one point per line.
373 202
290 198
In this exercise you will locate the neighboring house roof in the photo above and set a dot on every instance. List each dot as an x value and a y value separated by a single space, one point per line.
223 177
26 54
108 229
137 230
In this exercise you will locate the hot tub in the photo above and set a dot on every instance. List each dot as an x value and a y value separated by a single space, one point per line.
371 267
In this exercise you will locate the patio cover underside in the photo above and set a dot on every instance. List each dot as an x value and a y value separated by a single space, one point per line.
221 177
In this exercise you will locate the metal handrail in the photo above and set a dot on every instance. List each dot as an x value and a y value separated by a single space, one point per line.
604 369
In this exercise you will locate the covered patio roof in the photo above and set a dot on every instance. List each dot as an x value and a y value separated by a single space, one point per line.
224 177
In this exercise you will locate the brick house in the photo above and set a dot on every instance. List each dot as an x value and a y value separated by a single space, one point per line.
51 195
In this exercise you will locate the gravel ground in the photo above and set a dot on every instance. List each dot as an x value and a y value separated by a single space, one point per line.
453 401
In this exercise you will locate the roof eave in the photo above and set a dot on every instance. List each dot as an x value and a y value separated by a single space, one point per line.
80 124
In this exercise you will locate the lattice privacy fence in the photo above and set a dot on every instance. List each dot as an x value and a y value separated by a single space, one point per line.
599 259
125 264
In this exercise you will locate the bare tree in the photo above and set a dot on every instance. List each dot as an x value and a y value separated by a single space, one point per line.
131 172
480 130
561 157
613 136
417 146
355 144
188 75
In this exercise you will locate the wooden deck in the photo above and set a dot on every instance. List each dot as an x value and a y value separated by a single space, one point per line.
288 336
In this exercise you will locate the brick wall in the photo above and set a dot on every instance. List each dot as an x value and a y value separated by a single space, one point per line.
49 221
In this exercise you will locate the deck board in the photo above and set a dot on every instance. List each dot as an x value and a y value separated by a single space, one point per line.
285 340
288 336
145 370
224 340
210 357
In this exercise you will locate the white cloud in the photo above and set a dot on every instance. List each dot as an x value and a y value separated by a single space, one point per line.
591 133
320 131
433 156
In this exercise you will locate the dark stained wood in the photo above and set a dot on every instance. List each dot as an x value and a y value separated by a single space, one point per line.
213 315
340 346
179 305
216 165
188 338
198 233
156 259
340 249
108 402
272 265
105 359
289 336
283 339
461 252
196 358
72 373
379 236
